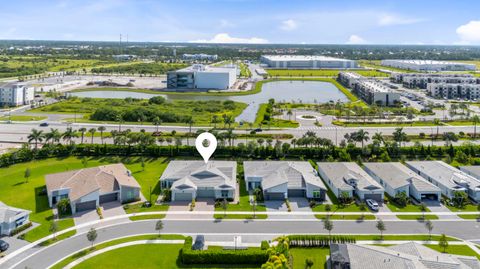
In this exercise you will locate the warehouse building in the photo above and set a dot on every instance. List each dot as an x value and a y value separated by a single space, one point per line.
200 76
448 178
349 178
397 178
16 94
454 91
306 62
429 65
199 57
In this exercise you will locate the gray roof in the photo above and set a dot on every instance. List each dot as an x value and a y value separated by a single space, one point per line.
473 170
274 173
446 174
403 256
9 213
341 173
218 174
397 175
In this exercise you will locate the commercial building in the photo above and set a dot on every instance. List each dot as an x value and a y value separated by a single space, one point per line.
199 57
396 178
350 178
11 218
16 94
448 178
200 76
89 188
472 170
280 180
408 255
428 65
370 90
421 80
306 62
454 91
190 180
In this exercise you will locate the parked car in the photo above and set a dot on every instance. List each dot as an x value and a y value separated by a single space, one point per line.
199 243
372 204
147 204
258 130
3 246
44 124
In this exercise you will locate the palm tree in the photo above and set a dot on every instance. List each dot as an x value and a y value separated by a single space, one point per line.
362 136
227 120
92 132
157 122
54 136
119 119
69 134
378 137
437 123
36 136
215 121
82 130
101 129
289 114
475 119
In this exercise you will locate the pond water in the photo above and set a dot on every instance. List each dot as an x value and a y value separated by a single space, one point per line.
281 91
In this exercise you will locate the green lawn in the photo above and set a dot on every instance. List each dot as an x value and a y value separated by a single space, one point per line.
401 237
58 238
23 118
161 256
357 217
457 250
239 216
417 217
44 229
321 73
469 216
148 217
317 255
467 208
244 202
137 208
394 207
339 208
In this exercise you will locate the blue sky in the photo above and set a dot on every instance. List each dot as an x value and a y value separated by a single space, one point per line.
246 21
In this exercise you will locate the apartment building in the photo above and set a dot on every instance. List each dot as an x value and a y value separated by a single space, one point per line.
370 90
420 80
199 76
16 94
306 62
428 65
454 91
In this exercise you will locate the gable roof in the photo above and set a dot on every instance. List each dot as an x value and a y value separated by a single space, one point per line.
216 174
274 173
342 173
81 182
9 213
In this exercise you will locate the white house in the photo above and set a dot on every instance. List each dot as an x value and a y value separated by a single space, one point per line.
11 218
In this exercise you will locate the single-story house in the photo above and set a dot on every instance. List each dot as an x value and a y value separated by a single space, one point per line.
280 180
350 178
402 256
189 180
11 218
448 178
88 188
396 178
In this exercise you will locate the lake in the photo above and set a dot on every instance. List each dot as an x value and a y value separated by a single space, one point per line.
282 91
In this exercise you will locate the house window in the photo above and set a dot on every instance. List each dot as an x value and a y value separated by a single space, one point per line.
316 194
224 194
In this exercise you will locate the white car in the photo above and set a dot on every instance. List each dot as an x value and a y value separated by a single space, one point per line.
372 204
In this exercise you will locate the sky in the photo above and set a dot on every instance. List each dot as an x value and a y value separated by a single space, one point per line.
245 21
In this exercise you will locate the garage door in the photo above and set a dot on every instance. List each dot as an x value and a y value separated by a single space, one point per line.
274 196
205 193
108 197
376 197
183 197
86 205
296 193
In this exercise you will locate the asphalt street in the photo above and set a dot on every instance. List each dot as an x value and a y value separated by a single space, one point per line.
225 230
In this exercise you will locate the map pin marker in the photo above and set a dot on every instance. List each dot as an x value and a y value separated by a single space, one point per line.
206 151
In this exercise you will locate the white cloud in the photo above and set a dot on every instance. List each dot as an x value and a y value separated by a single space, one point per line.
391 19
469 33
226 38
355 39
225 23
288 25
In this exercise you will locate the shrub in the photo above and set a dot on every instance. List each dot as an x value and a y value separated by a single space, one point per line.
312 203
21 228
219 256
264 245
318 240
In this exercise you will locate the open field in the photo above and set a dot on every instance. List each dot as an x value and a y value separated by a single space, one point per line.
139 68
23 118
321 72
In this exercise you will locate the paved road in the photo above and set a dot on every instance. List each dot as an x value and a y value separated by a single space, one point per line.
217 230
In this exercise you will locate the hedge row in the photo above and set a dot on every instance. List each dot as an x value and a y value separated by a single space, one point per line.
220 256
21 228
318 240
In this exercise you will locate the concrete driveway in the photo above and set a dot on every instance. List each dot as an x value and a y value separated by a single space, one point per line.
200 205
384 208
84 217
14 243
297 204
110 209
436 206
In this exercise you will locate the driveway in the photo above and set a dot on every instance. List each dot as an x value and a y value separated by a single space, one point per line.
110 209
297 204
436 206
200 205
14 243
84 217
384 208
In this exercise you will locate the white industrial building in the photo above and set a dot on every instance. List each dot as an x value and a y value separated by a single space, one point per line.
199 57
306 62
429 65
16 94
200 76
454 91
370 90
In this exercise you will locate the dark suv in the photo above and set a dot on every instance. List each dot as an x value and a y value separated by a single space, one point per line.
3 246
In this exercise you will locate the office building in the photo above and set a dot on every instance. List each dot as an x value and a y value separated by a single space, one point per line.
429 65
306 62
200 76
16 94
